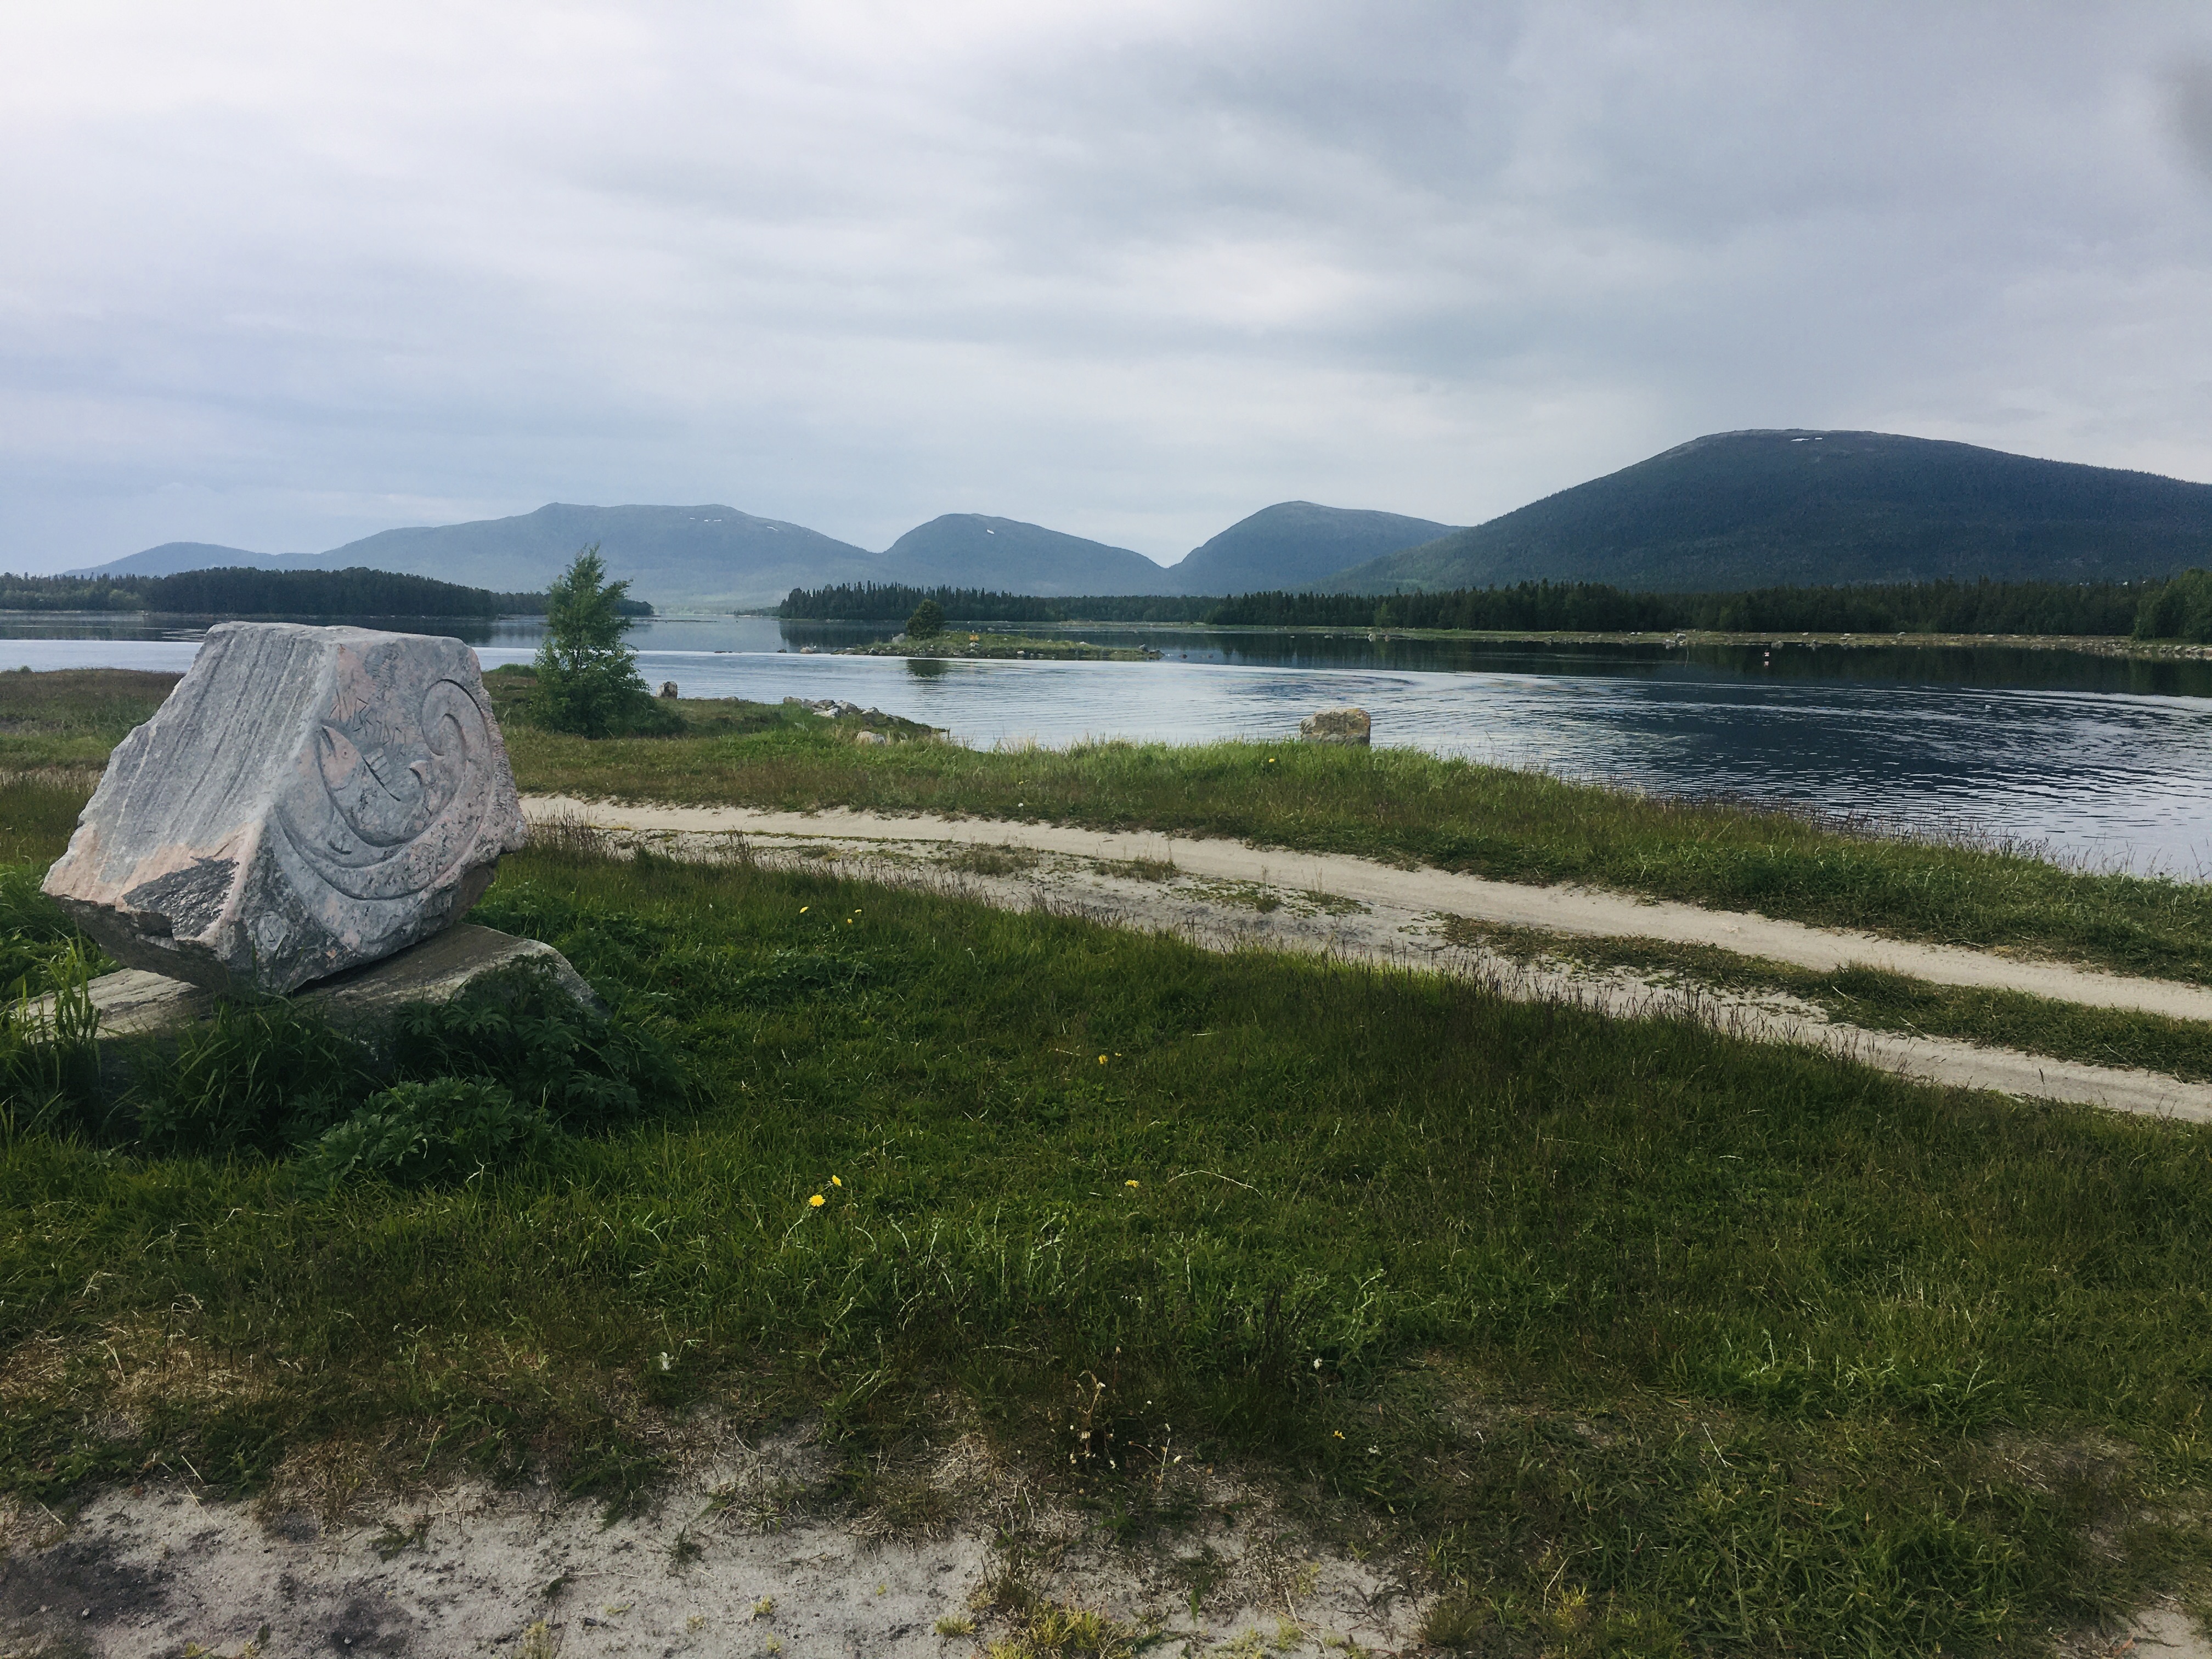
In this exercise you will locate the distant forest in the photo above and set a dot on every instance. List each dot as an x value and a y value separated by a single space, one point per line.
890 602
240 592
2179 609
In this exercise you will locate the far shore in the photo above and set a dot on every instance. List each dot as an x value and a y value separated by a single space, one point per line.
2090 644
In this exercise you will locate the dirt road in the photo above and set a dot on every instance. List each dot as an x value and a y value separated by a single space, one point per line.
1224 894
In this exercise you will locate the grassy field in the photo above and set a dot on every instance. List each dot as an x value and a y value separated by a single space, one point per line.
1640 1340
1644 1339
72 717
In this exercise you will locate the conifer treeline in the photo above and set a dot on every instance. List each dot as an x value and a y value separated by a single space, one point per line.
894 602
1938 607
242 592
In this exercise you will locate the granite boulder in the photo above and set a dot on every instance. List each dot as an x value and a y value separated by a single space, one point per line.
308 800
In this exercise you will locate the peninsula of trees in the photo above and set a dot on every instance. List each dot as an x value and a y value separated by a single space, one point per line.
2178 609
240 591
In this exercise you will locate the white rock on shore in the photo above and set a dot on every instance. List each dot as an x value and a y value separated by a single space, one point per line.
1336 725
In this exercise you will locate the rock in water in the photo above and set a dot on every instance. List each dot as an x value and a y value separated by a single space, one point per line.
1336 725
308 799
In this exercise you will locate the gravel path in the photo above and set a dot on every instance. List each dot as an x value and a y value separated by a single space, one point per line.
1224 894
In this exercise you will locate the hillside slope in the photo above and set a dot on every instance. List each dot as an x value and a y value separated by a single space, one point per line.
171 557
715 557
712 557
1295 544
1746 509
969 550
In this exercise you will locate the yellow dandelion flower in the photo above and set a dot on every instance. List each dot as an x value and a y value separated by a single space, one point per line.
816 1202
835 1181
1101 1060
804 908
1128 1184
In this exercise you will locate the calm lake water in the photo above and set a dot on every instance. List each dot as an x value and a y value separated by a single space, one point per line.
2101 760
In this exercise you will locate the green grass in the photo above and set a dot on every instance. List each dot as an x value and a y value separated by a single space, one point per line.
38 810
1415 809
1644 1339
71 717
1882 1001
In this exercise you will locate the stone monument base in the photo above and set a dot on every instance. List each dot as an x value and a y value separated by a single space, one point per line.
135 1006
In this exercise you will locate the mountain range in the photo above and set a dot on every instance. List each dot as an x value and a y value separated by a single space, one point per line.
1794 508
715 557
1730 511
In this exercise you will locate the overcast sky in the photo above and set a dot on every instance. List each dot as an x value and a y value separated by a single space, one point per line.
280 275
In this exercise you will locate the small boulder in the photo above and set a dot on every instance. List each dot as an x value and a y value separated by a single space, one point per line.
308 799
1336 725
869 737
668 689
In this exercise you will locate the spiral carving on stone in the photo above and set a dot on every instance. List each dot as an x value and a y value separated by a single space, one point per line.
404 792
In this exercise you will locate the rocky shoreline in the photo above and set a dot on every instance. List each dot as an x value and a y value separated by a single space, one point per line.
1002 646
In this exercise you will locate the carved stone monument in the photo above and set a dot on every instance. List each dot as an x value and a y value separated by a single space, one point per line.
308 800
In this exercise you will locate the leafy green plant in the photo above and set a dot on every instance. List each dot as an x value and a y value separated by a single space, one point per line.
417 1134
927 621
586 1071
587 678
254 1076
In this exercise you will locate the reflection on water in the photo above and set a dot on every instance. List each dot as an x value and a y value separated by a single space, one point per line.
2105 759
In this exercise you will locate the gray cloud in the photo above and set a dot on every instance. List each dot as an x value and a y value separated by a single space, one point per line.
280 279
2189 92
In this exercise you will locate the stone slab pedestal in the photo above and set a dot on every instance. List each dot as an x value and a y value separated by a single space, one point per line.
135 1006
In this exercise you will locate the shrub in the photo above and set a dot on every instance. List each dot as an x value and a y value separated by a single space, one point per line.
478 1081
519 1029
414 1133
927 621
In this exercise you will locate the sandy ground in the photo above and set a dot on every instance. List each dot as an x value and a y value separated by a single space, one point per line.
1356 909
720 1568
